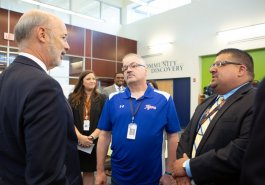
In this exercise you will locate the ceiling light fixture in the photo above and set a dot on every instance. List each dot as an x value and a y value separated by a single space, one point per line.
139 2
160 47
62 10
248 32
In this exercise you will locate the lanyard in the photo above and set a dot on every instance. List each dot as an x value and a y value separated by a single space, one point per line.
208 114
87 109
133 113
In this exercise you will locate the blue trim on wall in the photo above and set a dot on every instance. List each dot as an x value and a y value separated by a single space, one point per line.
181 97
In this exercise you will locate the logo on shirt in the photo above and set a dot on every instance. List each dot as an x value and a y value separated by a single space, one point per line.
121 106
148 107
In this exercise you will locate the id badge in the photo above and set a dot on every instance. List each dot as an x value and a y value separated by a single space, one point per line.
131 133
86 125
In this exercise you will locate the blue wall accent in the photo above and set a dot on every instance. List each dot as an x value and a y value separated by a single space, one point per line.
181 97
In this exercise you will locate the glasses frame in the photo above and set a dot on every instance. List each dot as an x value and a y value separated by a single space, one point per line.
132 66
223 63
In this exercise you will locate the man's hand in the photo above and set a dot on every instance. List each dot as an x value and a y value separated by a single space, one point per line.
101 178
178 170
183 180
165 180
84 141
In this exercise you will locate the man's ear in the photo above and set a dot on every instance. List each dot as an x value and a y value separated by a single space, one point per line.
41 34
242 70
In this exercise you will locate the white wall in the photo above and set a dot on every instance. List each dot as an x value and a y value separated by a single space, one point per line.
193 30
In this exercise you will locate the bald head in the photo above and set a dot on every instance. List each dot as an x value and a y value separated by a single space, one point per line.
135 57
42 35
30 20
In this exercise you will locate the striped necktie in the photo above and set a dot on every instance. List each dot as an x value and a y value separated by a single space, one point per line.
205 121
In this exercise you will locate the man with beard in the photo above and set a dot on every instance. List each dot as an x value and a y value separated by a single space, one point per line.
212 146
118 85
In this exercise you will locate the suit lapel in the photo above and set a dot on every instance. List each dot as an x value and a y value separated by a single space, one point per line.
113 89
232 99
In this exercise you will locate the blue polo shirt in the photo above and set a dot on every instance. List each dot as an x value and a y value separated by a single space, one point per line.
138 161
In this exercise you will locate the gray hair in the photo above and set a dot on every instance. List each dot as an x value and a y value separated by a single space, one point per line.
28 21
141 60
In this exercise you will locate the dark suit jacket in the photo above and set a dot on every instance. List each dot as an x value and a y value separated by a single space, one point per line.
95 111
254 163
37 138
219 155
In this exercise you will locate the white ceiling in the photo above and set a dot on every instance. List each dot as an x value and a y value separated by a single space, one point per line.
86 7
84 4
99 9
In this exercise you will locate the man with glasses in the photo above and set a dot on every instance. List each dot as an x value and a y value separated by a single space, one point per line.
137 120
212 146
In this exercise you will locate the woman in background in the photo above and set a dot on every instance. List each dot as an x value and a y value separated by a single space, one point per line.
153 83
87 103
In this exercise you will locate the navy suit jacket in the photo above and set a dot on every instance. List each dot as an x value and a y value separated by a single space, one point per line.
38 144
220 152
254 162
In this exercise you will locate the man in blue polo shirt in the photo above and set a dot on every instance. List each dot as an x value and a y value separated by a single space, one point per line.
137 120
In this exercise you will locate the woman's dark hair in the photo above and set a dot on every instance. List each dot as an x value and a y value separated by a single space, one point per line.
153 83
76 97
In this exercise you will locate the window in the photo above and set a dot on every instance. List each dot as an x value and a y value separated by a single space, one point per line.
136 11
111 14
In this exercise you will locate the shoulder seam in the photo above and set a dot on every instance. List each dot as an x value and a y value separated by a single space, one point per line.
165 94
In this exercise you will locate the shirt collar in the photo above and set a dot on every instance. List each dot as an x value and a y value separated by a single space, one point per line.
147 94
35 59
117 87
230 93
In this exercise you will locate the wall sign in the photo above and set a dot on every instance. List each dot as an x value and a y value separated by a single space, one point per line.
9 36
165 66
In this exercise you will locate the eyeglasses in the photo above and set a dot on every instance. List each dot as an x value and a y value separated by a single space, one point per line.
223 63
132 66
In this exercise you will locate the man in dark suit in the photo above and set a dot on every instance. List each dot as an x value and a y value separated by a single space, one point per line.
38 144
212 146
118 85
254 161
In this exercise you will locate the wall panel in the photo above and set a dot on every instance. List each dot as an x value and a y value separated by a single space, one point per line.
14 17
88 64
119 66
125 46
104 46
88 43
76 40
4 25
104 68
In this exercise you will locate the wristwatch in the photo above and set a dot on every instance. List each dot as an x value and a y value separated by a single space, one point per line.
92 137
